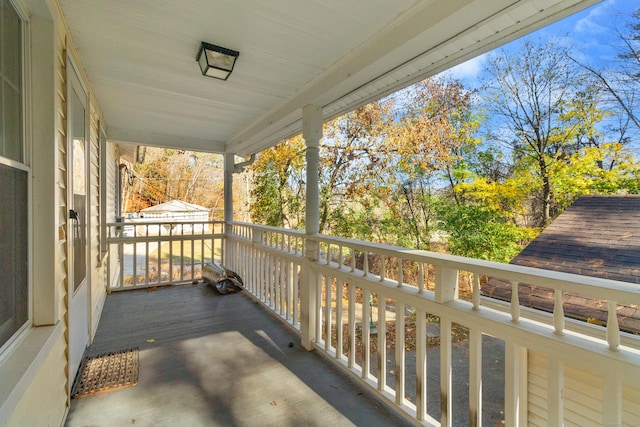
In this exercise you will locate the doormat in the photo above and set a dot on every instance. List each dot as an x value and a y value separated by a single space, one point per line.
106 372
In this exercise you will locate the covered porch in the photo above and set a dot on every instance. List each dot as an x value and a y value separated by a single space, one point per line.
385 316
409 326
371 325
208 360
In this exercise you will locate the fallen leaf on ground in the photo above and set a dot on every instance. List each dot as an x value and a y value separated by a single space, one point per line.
151 341
274 403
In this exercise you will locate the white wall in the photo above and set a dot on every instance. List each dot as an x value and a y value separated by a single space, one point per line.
34 376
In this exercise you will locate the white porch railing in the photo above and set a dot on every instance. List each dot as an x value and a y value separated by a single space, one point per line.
162 253
389 316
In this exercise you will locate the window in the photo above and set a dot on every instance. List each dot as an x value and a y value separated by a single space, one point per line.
11 80
14 176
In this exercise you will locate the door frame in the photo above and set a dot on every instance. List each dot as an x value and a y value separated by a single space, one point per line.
78 299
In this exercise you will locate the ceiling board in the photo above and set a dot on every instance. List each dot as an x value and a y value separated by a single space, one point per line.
139 57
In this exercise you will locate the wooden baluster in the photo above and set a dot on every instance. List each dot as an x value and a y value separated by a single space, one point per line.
558 313
421 365
382 342
365 265
475 296
515 302
613 329
400 353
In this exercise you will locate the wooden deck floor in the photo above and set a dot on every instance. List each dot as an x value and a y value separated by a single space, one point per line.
211 360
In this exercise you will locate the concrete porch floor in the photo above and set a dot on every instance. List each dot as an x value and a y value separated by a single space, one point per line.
212 360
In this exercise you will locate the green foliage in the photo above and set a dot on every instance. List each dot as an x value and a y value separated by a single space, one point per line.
478 232
608 169
278 185
355 223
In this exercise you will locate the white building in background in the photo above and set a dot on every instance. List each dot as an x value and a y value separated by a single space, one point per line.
174 211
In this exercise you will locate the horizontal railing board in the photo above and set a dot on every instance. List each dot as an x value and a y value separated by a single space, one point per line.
593 287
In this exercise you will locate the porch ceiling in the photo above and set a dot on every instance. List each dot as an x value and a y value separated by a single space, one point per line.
139 57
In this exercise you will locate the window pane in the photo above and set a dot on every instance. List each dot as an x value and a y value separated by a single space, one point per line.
79 225
12 123
11 44
14 280
14 256
10 83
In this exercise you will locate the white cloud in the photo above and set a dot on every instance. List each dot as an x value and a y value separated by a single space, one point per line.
469 70
592 23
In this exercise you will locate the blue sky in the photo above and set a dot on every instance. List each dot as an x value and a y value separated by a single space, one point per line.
591 31
591 34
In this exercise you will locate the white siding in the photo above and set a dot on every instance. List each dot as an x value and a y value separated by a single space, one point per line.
583 397
61 179
45 401
537 389
97 266
112 161
630 405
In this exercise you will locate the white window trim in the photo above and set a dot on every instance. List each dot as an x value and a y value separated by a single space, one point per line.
7 348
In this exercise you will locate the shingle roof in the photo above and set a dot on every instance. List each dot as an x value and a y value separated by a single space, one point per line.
596 236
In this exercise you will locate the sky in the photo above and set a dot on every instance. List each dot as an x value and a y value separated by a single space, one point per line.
591 31
591 34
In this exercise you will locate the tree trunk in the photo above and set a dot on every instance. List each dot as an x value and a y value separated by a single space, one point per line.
546 192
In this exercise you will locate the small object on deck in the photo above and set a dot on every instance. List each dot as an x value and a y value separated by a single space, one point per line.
221 278
290 345
106 372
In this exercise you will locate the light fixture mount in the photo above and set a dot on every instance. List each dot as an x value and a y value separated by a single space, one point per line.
216 61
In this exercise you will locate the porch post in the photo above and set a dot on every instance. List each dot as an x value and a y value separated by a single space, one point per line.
228 186
312 133
229 159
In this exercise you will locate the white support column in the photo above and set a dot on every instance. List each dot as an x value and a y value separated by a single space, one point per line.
446 284
312 133
228 186
229 159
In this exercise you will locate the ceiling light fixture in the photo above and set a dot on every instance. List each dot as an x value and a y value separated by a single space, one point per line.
216 61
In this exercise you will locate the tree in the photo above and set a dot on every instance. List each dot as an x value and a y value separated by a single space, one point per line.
622 82
538 110
475 230
435 128
277 191
350 160
432 135
605 169
168 174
